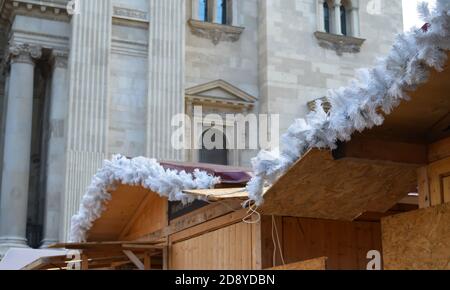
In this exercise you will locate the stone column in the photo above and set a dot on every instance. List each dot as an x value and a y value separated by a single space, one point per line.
166 76
320 16
337 17
195 10
16 158
56 149
234 13
354 16
87 132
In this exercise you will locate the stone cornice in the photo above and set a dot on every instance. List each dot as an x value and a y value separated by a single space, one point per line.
339 43
215 32
24 53
55 10
130 17
60 59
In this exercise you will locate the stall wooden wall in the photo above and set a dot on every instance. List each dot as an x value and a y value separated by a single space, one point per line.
434 179
346 244
417 240
227 248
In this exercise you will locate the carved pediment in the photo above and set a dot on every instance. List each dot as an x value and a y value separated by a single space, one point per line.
220 92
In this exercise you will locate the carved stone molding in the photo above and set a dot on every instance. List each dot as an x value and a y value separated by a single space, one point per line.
24 53
339 43
131 14
215 32
50 9
60 59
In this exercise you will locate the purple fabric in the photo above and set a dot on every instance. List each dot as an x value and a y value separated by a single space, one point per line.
227 174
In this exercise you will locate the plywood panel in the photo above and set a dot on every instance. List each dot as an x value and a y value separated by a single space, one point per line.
319 187
151 217
313 264
228 248
125 200
346 244
417 240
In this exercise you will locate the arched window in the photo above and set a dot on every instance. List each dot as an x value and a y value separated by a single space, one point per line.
343 20
203 14
214 155
326 17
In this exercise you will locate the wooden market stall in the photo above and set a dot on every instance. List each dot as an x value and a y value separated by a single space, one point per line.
388 189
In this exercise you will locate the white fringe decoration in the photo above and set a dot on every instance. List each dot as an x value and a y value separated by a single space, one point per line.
138 171
355 108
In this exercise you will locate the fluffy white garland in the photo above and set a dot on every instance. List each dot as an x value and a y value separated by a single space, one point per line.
355 108
138 171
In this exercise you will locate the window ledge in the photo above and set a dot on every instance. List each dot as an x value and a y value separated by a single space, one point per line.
339 43
216 32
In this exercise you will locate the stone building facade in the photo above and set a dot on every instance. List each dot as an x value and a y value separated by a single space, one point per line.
82 80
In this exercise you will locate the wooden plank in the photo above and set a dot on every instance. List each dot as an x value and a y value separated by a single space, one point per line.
150 217
313 264
125 200
318 186
194 218
439 150
202 215
212 225
424 187
383 150
147 261
166 258
134 259
105 245
84 262
437 171
417 240
220 193
137 214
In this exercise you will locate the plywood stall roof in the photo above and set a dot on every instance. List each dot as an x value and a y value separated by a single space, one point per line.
426 117
119 211
318 186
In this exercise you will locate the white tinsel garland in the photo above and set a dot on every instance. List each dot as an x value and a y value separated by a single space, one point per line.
138 171
356 107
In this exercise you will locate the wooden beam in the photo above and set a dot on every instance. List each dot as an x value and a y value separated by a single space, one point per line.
439 150
193 219
382 150
424 187
314 264
166 258
84 262
147 261
134 259
209 226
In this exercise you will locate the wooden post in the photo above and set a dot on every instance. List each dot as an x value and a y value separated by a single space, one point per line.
424 187
147 261
133 258
166 258
84 262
